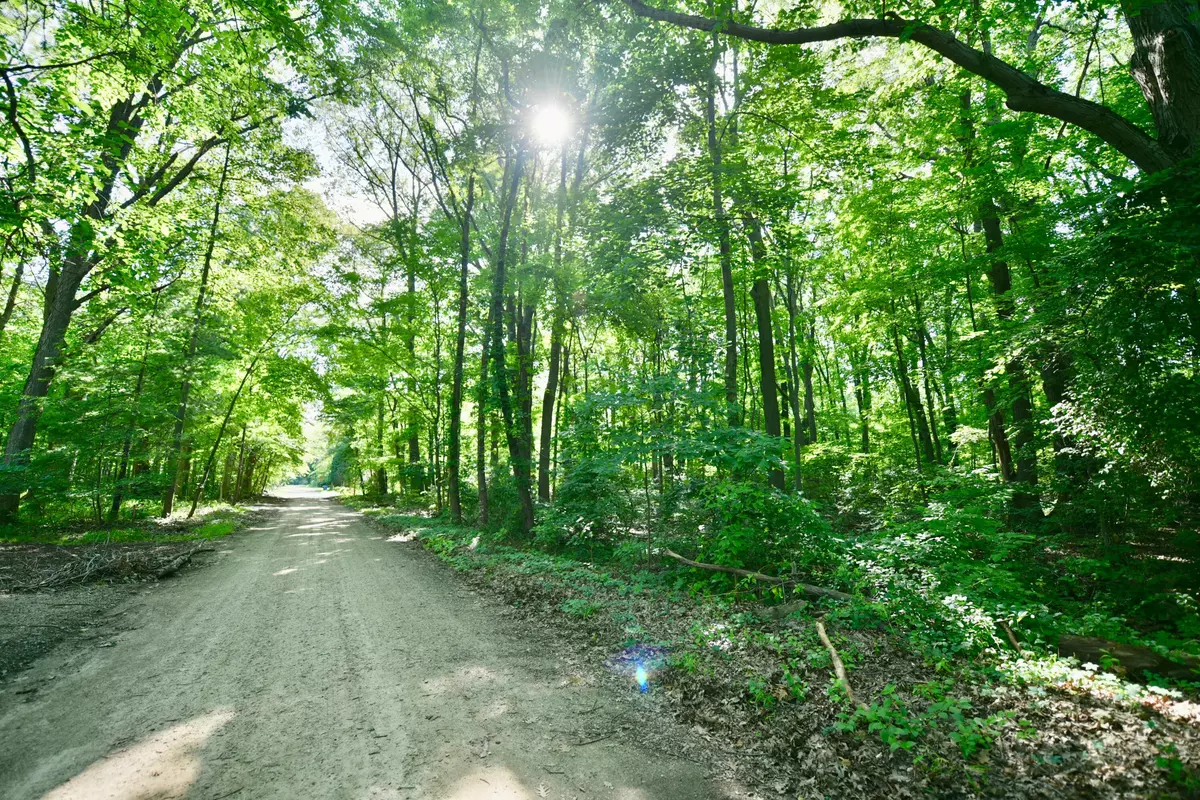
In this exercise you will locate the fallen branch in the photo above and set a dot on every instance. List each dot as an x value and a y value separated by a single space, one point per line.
839 669
1012 637
809 589
173 567
96 564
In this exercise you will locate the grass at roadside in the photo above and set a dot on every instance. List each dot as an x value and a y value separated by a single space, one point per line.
211 522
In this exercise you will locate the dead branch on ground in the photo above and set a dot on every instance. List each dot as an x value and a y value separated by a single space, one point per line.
807 588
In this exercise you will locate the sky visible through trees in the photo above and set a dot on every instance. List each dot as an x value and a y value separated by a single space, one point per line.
902 300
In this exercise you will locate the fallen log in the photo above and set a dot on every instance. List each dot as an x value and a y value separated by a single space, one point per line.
1132 660
809 589
174 565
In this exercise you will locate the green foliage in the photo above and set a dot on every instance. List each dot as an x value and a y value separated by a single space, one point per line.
580 607
744 525
901 729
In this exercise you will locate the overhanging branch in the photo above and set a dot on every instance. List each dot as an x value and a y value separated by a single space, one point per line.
1022 92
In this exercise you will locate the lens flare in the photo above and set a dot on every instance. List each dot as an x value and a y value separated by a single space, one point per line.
643 681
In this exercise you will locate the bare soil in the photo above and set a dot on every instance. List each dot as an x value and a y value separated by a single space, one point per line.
313 658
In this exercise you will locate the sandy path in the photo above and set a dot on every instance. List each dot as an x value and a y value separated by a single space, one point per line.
313 659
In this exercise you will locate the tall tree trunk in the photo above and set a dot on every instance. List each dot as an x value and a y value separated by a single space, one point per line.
381 476
247 489
761 294
862 397
545 441
123 470
919 333
454 456
185 386
733 413
1000 279
922 441
521 466
545 445
410 343
60 305
481 424
806 375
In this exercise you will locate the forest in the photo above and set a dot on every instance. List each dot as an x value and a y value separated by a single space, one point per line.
890 306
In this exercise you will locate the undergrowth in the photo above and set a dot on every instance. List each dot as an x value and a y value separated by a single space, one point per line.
212 522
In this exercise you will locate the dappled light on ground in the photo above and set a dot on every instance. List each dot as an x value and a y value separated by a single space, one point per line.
496 783
468 678
162 766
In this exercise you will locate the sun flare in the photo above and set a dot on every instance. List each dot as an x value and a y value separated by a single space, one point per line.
551 125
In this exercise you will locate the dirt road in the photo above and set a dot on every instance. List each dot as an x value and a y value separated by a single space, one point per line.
314 659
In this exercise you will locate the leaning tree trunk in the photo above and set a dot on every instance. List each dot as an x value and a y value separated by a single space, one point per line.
60 305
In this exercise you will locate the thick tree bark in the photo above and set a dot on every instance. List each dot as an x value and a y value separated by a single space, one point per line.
1166 65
